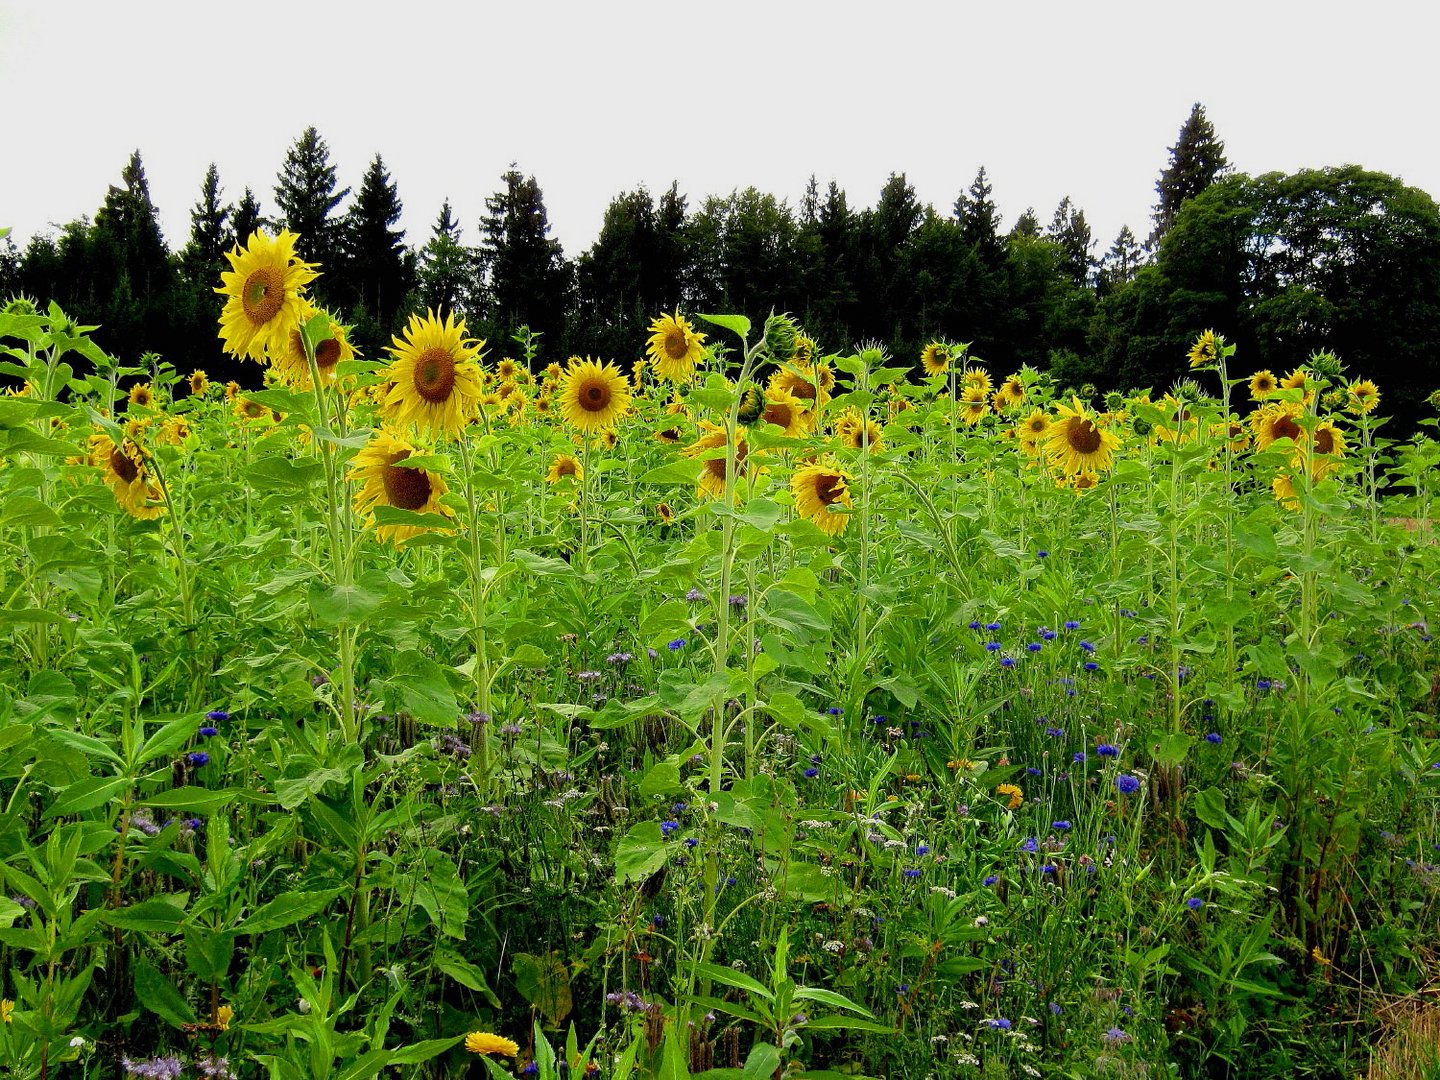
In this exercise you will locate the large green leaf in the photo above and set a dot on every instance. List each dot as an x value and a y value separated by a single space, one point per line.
287 910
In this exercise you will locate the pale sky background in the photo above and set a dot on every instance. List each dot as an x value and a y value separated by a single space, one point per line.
598 98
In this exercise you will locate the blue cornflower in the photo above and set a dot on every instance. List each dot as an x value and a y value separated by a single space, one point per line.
219 716
992 646
1060 826
1078 757
811 773
1214 738
208 732
1007 662
974 624
1055 1009
1033 771
1042 554
1195 903
1087 646
679 808
1049 635
690 841
1034 646
922 849
667 827
998 1023
992 626
1106 749
835 710
1048 868
1127 784
1030 844
911 872
1072 624
676 645
1262 684
198 758
1055 732
990 879
1091 665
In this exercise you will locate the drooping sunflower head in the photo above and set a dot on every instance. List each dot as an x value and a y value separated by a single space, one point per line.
1205 351
1277 420
565 467
802 383
711 446
1232 431
936 357
248 409
592 396
293 369
435 376
198 383
1262 385
124 468
858 432
664 513
816 489
1285 494
804 353
1180 425
386 482
1362 397
1076 442
785 411
675 348
264 290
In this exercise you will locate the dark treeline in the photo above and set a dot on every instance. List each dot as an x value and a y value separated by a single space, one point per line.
1340 259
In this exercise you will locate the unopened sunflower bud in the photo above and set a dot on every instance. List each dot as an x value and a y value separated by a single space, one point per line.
780 336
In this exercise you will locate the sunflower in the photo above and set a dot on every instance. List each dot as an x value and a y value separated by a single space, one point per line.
386 483
543 404
1363 397
668 435
1300 379
1277 420
1233 431
804 353
974 404
436 376
1328 443
246 409
231 389
198 383
1262 385
805 383
141 396
674 348
484 1042
664 513
1177 411
507 368
1010 395
976 377
562 466
1012 793
593 396
936 357
124 469
1205 351
175 430
608 439
553 371
711 482
817 488
1285 494
637 375
291 367
1034 426
1075 443
785 411
264 288
858 432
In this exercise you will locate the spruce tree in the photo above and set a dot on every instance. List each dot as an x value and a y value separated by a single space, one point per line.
307 199
446 270
1196 160
980 221
1121 261
1027 224
1069 230
202 258
375 269
245 219
526 279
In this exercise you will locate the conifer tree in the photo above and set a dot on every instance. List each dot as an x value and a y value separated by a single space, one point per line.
375 269
245 219
202 258
1069 230
1121 261
526 279
1027 224
1196 160
446 269
307 199
980 220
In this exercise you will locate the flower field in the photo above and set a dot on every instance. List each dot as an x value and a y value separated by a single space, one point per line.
741 708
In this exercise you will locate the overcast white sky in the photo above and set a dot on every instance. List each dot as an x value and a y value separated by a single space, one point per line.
599 97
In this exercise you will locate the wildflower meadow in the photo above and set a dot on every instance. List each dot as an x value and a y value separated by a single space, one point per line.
744 706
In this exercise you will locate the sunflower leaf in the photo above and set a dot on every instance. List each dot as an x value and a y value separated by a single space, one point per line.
739 324
343 605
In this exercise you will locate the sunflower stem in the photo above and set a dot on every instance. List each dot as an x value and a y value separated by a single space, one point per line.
477 615
175 517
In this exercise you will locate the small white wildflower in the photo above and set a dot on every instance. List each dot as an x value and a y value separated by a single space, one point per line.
981 920
834 946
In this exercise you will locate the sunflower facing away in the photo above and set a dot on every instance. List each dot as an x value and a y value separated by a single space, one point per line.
1075 443
935 358
711 482
386 483
817 488
674 348
435 376
124 469
592 397
291 367
858 432
785 411
264 290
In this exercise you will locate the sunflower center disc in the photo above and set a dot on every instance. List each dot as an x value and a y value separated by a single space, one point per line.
435 375
778 413
123 467
1324 441
676 347
327 354
594 396
1084 437
405 489
828 489
1285 428
262 296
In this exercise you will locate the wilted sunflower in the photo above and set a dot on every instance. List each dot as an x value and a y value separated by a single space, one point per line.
175 430
785 411
1205 350
291 367
974 404
386 483
804 353
1262 385
1234 431
1362 397
592 397
1285 494
124 469
1075 443
198 383
563 466
484 1042
1277 420
711 482
435 374
935 358
265 289
817 488
674 348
